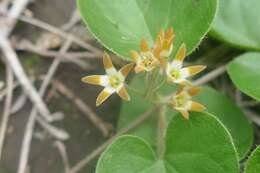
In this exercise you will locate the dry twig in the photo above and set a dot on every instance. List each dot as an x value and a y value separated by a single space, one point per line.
211 75
62 150
31 121
74 19
12 15
252 116
61 33
84 108
7 107
28 46
4 91
17 68
19 103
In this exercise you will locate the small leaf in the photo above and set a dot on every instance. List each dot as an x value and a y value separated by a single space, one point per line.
214 152
245 74
253 163
200 145
127 154
237 23
121 24
231 116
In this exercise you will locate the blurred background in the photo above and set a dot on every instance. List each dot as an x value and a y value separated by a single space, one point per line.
37 44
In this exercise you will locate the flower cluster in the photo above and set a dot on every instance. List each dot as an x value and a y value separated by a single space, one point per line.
146 60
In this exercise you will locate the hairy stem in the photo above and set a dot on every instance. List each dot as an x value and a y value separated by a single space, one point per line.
151 83
162 125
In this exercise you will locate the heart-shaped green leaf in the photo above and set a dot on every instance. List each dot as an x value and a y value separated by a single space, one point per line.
231 116
245 74
238 23
127 154
223 108
121 24
214 152
253 163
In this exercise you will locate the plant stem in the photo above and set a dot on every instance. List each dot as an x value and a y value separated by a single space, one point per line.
137 91
151 83
159 86
162 125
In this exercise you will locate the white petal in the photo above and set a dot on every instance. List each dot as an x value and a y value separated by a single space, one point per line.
111 71
104 81
184 73
110 90
188 105
176 64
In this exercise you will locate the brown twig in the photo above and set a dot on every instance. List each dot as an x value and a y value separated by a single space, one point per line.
18 70
250 103
61 33
254 117
84 108
19 103
28 46
31 121
7 106
4 91
52 130
74 19
102 147
238 97
12 15
63 153
211 75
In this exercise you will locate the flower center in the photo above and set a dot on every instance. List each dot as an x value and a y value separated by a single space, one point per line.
175 73
114 81
181 100
148 61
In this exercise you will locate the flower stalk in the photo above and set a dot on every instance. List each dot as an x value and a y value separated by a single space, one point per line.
161 131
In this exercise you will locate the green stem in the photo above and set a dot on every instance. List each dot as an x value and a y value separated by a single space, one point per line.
159 86
154 84
161 129
134 90
151 83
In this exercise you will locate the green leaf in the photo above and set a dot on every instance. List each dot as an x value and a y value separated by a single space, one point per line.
200 145
237 23
213 152
127 154
121 24
231 116
253 163
221 107
245 74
